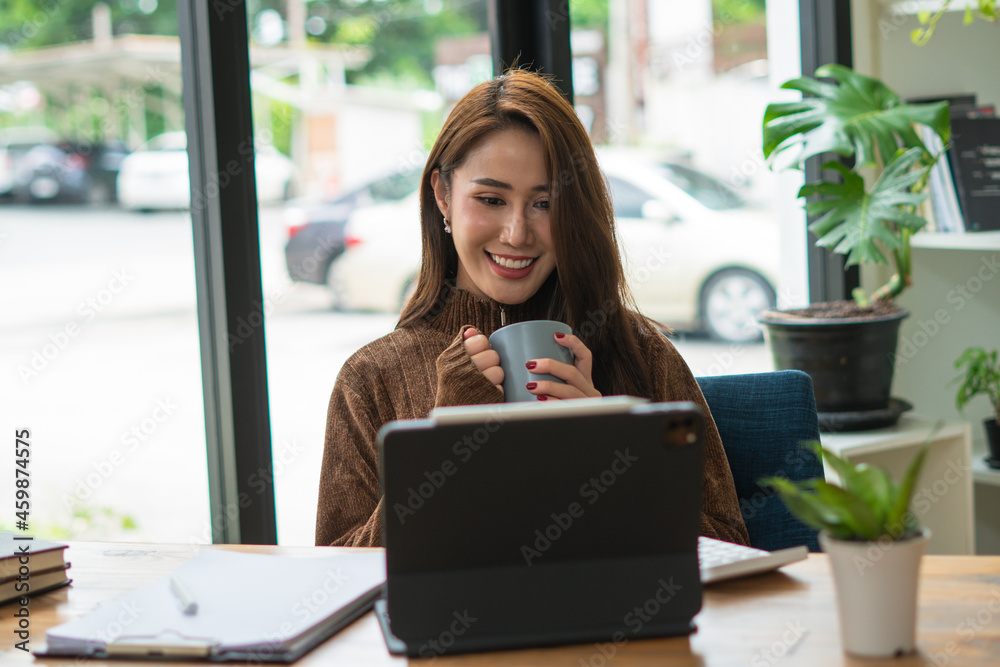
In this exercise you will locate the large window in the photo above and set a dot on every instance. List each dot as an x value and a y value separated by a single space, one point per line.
102 349
100 339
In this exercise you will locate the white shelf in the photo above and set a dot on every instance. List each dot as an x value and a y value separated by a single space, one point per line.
982 473
957 241
910 430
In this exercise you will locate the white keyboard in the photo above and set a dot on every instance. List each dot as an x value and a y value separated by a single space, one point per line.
720 560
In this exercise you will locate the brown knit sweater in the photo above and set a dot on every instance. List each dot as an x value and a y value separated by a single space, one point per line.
413 369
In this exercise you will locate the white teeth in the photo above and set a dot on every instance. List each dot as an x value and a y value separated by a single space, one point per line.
510 263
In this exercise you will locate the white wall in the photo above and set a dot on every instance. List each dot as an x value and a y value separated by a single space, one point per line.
957 59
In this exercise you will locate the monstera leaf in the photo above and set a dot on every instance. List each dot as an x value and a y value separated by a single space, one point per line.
853 220
849 117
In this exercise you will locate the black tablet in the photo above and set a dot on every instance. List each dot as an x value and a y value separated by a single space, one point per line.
504 530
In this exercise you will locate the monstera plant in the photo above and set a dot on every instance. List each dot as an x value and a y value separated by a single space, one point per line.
866 211
865 207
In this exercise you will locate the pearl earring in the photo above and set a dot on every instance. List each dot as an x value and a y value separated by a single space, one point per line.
447 227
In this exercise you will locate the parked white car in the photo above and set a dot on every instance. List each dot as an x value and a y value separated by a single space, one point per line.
696 255
155 175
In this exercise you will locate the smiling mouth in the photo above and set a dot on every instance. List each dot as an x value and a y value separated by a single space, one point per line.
510 263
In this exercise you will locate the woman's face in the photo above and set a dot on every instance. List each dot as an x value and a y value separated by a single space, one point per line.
498 209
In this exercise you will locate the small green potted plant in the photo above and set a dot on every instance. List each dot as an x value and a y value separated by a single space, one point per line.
982 376
866 211
875 544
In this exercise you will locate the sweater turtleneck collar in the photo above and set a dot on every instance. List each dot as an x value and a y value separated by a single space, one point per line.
460 307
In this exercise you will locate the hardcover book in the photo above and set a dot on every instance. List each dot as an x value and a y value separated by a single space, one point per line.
42 554
975 163
29 566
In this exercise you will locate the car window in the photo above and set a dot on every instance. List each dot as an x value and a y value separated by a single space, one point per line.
710 192
627 198
396 186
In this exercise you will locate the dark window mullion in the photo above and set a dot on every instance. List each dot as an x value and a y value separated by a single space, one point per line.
216 76
535 34
825 27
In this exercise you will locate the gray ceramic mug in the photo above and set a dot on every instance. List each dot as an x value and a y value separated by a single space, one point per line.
521 342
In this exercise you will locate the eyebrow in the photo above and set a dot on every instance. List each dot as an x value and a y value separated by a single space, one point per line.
494 183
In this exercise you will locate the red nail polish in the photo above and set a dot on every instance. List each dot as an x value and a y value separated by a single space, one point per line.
543 398
560 335
530 365
531 385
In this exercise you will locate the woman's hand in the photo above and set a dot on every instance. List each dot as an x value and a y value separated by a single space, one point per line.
483 356
576 375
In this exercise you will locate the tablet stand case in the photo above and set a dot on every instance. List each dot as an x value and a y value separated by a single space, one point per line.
504 534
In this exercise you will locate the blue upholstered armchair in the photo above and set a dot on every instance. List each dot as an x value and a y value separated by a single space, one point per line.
763 418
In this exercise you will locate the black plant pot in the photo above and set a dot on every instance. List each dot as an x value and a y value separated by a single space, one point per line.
851 362
993 440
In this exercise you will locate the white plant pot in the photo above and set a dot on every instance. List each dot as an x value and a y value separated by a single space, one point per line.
876 584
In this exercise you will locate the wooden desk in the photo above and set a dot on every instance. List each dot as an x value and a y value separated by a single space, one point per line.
786 618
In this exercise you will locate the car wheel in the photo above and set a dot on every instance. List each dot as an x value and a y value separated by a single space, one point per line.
731 301
43 188
409 289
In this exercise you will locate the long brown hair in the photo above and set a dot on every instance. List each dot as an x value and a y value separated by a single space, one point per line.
587 290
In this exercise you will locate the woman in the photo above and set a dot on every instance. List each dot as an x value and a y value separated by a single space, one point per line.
517 224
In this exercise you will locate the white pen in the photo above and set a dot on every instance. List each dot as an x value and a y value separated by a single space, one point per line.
186 601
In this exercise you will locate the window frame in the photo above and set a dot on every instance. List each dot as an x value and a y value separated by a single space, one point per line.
215 70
